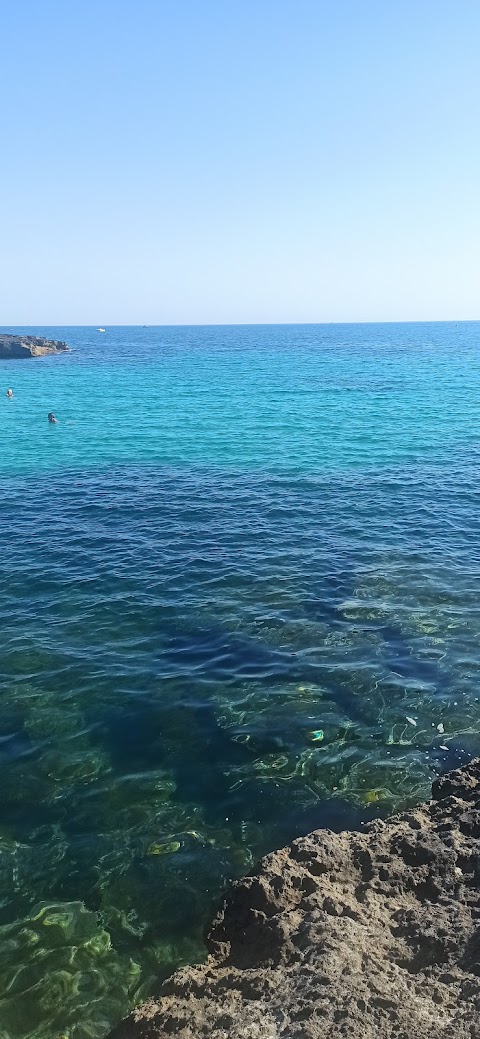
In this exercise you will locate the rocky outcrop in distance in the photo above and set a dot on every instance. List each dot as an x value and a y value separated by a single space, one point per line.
371 935
19 347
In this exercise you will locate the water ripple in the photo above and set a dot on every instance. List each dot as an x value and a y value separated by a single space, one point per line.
252 616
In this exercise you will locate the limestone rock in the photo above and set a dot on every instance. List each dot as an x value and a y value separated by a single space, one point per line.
372 935
19 347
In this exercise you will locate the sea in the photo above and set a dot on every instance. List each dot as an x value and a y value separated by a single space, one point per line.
239 601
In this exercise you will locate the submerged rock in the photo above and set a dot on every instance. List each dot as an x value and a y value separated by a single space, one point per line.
366 935
18 347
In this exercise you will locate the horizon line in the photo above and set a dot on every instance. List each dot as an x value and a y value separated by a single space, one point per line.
245 324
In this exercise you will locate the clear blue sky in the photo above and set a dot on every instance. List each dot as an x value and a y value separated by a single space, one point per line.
184 161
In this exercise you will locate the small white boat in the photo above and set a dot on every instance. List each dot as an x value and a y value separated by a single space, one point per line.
100 329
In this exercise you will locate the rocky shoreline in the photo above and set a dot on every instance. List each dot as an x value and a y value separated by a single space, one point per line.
372 935
14 347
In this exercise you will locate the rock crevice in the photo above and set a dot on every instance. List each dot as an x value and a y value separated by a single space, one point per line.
372 935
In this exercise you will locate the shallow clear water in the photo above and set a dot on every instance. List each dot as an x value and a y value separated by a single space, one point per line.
243 560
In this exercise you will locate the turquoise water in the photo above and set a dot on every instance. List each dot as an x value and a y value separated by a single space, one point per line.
239 600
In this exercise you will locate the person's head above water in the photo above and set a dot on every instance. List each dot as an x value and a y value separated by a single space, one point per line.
51 417
9 393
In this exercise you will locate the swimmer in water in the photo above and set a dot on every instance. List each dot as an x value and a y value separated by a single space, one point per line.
9 394
51 417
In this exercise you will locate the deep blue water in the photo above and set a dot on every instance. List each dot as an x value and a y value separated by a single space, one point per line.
239 600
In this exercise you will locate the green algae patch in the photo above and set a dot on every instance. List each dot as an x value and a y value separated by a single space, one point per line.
60 976
167 848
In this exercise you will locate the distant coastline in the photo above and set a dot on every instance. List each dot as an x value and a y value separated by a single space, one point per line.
13 347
